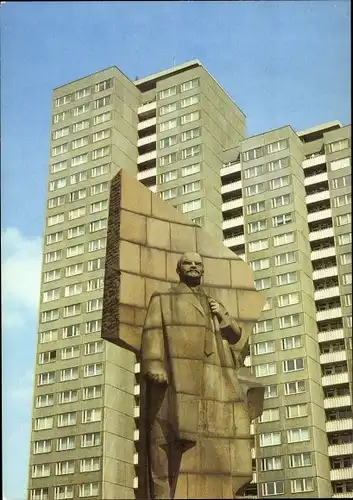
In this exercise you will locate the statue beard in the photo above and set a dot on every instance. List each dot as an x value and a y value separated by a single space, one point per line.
192 281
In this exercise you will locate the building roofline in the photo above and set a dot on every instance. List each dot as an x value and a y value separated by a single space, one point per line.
167 72
92 74
321 127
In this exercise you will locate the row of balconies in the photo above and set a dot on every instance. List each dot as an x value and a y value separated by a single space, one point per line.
343 474
335 379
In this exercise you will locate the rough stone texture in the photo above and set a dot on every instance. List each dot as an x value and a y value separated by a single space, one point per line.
208 401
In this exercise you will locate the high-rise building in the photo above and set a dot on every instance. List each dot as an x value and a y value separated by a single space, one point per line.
182 136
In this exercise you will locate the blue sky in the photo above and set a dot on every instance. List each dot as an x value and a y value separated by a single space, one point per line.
282 62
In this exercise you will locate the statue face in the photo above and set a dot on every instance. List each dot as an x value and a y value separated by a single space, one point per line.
190 267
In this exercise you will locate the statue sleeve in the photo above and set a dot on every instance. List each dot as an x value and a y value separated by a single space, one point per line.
152 346
229 328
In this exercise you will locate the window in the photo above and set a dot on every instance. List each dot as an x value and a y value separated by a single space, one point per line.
100 170
270 391
103 101
95 264
60 101
281 220
190 134
255 189
74 232
79 177
42 470
51 315
169 176
95 305
98 225
66 443
285 258
254 208
265 370
169 194
98 244
347 300
255 246
342 220
341 182
58 167
88 490
93 370
92 439
66 419
264 347
71 331
291 342
190 206
300 460
286 278
256 226
74 251
99 188
95 284
80 194
74 270
60 150
190 84
260 264
280 201
252 154
249 173
168 125
70 352
55 219
263 326
104 85
271 463
92 392
293 365
341 201
277 146
163 94
54 238
68 397
294 387
94 347
89 464
168 141
50 295
270 439
268 304
63 492
100 153
56 202
269 415
168 159
190 117
289 321
40 494
342 163
79 143
295 411
65 467
191 169
43 423
93 326
191 187
69 374
102 134
288 299
338 145
301 485
72 310
42 446
346 279
345 239
273 488
76 161
168 108
190 101
79 126
190 152
48 336
57 184
46 357
296 435
44 400
94 415
263 283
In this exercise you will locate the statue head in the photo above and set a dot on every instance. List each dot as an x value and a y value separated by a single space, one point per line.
190 268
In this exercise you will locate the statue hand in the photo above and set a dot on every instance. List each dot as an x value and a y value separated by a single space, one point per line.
159 377
216 309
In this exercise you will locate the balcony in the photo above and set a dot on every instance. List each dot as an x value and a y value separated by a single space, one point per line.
321 234
327 293
145 174
343 474
315 197
151 155
312 162
230 169
254 478
136 435
153 188
242 256
323 253
326 272
147 108
342 495
149 139
333 357
232 204
135 483
253 453
136 389
234 222
335 450
330 335
136 411
336 379
235 241
345 424
232 186
151 122
137 368
252 429
315 179
335 312
320 215
247 361
136 458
